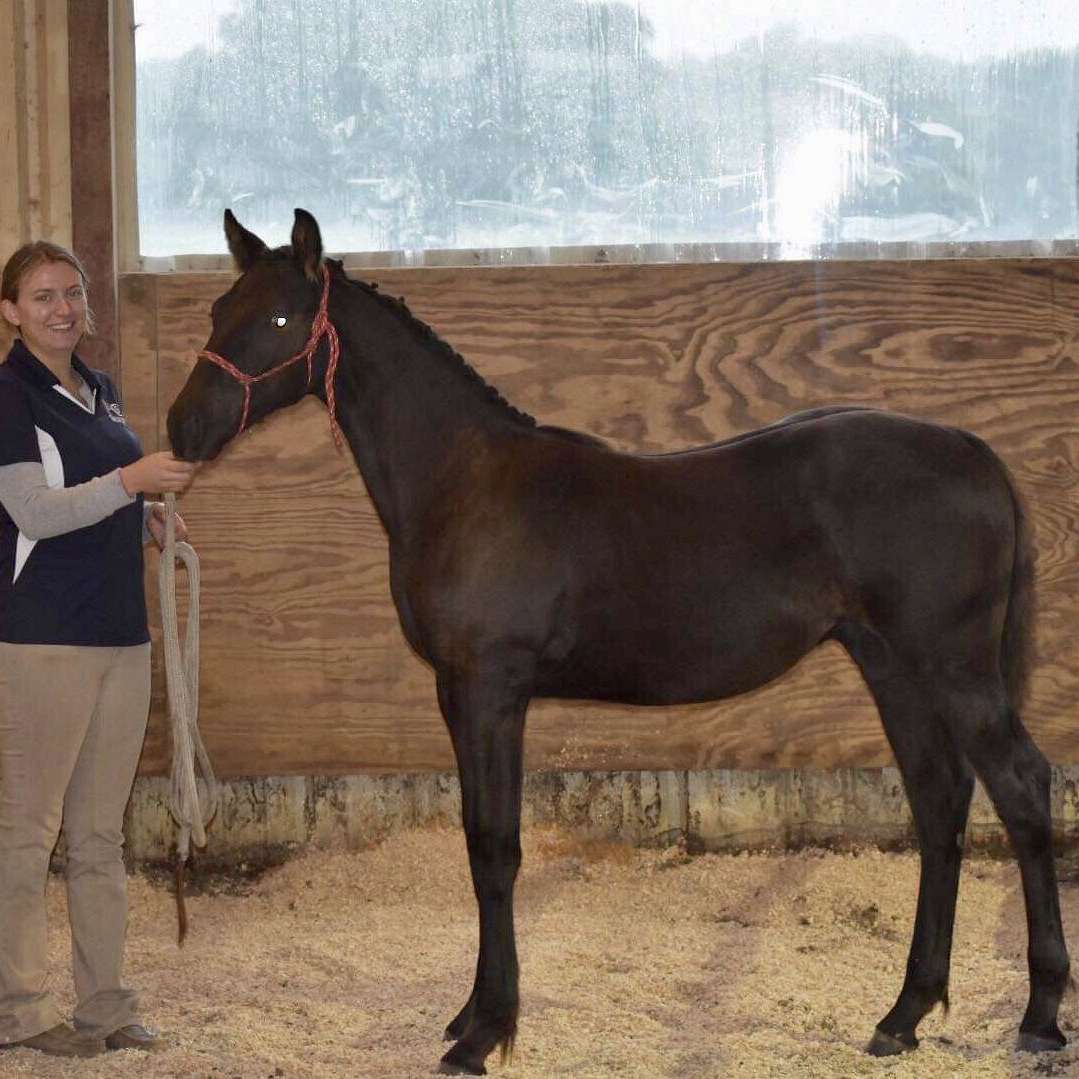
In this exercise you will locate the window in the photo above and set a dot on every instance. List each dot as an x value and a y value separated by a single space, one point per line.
796 128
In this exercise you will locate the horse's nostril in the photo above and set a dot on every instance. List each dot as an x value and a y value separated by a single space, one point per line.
183 433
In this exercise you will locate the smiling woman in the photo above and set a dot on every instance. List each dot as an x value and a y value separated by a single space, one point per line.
74 656
51 313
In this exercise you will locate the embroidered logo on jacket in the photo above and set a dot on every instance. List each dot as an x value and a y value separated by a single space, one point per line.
113 412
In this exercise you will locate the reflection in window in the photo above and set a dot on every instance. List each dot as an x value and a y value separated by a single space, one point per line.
468 124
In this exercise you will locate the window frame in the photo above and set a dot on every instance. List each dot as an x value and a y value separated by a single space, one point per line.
131 260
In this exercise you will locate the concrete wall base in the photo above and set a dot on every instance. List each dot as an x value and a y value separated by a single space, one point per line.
264 819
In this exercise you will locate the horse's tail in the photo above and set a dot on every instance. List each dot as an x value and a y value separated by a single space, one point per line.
1017 637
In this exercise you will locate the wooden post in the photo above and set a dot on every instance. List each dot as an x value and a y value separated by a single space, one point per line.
35 177
35 169
93 212
11 107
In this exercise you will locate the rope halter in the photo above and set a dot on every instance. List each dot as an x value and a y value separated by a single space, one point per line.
320 327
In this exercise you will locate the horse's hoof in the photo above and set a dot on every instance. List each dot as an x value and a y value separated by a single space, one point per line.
1040 1043
455 1063
888 1045
453 1069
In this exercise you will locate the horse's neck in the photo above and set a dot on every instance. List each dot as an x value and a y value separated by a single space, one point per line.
409 413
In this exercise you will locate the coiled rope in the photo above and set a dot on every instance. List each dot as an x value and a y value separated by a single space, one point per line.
193 791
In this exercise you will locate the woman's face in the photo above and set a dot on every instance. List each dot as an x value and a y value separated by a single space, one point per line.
50 310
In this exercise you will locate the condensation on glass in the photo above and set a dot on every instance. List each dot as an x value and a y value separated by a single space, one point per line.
458 131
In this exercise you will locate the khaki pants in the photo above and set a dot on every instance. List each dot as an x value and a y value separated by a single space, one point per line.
72 722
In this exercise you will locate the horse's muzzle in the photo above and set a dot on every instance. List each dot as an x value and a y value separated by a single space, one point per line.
190 436
202 418
185 431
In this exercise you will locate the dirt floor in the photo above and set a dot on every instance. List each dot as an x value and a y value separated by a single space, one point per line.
634 963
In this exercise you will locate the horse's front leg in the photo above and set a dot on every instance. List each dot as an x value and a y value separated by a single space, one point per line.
485 711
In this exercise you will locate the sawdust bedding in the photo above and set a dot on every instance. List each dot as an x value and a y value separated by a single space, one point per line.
634 963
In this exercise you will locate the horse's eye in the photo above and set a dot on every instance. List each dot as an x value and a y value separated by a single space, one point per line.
280 321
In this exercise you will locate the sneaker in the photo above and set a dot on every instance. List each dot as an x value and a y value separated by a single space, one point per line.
135 1036
61 1041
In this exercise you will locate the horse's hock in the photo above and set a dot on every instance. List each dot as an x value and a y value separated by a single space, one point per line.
263 819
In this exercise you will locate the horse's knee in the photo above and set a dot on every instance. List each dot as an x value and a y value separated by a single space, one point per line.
495 860
493 848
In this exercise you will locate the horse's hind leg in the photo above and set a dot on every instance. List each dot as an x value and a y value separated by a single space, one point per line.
939 784
1016 776
486 721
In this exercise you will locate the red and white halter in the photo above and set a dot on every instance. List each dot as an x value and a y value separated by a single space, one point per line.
321 327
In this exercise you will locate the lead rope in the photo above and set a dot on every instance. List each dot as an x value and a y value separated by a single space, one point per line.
193 797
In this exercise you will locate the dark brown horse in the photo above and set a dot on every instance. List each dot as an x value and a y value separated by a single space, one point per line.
528 561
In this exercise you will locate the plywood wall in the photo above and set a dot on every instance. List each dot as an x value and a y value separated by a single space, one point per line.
304 669
35 135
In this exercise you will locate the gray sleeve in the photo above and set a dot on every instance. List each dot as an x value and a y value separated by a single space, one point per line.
40 511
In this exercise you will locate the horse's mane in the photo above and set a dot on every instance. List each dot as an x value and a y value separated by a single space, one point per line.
430 338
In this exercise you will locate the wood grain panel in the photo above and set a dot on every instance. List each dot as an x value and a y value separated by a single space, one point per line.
304 667
12 111
137 306
52 159
35 167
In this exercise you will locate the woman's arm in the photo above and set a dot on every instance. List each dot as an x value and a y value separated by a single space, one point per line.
40 511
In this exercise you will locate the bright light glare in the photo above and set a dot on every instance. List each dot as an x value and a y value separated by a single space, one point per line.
812 179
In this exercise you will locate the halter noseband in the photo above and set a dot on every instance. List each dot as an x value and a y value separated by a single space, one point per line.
321 327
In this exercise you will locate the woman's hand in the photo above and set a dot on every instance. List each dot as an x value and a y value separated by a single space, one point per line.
157 472
155 522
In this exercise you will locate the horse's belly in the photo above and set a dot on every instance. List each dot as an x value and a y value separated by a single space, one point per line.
672 665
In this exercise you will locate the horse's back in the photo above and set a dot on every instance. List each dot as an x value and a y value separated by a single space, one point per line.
843 487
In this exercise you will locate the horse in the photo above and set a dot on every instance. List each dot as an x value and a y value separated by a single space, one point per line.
528 561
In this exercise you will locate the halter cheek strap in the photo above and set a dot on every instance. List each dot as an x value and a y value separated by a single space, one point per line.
321 327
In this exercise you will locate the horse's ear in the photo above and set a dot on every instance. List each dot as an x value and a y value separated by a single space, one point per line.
307 243
244 246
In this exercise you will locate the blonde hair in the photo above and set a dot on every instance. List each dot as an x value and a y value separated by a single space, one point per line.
27 259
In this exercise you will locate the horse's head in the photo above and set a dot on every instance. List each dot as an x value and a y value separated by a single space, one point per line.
262 347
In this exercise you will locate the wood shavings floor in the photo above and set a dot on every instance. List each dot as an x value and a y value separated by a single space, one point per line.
634 963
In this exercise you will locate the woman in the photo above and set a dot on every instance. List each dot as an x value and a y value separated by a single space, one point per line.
74 655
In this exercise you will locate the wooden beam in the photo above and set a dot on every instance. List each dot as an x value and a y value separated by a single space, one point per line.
125 177
48 121
35 173
57 143
11 128
93 206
